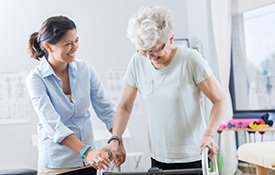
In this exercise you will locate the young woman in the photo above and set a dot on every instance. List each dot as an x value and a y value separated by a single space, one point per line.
62 89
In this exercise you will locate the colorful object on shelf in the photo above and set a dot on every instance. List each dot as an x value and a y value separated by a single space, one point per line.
223 126
243 122
253 123
265 117
258 126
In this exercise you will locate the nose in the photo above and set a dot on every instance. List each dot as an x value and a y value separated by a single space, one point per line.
151 56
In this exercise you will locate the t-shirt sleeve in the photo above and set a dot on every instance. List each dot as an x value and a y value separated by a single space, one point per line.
199 67
130 74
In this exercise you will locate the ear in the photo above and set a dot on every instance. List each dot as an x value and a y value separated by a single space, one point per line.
171 39
48 47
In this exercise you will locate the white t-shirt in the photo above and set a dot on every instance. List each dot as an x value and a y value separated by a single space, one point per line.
172 99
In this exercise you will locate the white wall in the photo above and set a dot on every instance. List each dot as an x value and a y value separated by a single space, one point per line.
245 5
101 27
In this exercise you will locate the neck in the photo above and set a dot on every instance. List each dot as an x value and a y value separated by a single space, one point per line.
170 57
58 67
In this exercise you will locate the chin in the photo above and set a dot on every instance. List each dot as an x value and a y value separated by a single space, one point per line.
158 61
71 58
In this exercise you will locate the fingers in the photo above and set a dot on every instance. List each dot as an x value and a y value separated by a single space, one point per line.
120 155
94 164
101 160
208 141
100 163
120 158
115 152
213 149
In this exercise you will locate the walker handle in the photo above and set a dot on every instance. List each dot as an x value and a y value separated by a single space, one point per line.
205 168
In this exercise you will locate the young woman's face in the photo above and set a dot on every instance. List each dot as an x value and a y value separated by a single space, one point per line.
65 49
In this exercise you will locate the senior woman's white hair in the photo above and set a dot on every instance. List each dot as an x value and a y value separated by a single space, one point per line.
150 25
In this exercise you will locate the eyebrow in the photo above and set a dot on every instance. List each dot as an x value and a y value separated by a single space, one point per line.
156 49
68 41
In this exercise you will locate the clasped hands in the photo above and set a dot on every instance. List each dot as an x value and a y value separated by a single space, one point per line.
102 158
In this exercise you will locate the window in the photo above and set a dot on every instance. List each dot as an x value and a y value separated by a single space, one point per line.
253 62
182 42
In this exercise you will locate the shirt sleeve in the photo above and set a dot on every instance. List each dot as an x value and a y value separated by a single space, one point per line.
130 75
101 100
199 67
41 102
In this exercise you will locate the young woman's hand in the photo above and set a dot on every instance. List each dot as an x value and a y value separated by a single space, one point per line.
99 158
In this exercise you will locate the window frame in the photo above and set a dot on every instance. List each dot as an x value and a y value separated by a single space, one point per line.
237 113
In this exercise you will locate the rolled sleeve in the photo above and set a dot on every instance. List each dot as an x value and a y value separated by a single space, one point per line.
49 118
61 133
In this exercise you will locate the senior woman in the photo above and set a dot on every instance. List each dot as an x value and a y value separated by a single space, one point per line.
171 80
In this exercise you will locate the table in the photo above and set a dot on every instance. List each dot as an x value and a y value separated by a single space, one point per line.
260 154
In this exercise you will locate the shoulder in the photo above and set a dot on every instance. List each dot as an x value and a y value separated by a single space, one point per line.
187 53
185 56
82 65
138 61
34 77
34 74
191 56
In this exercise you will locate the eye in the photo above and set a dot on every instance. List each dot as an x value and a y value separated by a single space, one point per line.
67 44
162 47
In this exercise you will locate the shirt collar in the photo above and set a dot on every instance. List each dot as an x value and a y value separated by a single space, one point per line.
73 66
47 70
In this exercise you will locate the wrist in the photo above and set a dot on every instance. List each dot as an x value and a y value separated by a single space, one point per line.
84 150
114 143
208 135
88 154
115 139
210 132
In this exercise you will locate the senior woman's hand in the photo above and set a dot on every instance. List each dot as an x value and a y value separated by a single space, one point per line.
209 141
118 151
120 156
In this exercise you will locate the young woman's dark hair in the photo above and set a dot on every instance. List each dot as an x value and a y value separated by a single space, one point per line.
51 31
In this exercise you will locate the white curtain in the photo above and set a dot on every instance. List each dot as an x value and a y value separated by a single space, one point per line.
221 25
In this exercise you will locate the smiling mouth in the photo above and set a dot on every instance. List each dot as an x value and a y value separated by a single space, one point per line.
155 58
71 54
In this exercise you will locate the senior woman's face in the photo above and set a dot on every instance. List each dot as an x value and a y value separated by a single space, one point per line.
161 54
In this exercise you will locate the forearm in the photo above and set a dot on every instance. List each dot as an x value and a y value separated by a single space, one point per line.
124 110
73 143
120 122
218 112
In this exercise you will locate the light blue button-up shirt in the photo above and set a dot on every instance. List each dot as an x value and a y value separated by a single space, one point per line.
59 117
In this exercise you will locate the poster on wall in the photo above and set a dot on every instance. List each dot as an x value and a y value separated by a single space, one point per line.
115 85
115 82
15 105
